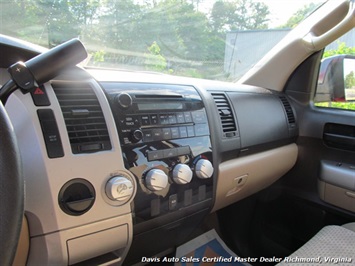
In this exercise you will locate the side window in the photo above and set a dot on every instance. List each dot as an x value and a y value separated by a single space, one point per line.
336 81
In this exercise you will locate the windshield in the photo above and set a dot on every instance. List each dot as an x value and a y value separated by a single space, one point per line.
195 38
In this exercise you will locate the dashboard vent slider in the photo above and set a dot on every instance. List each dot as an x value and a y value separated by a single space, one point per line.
84 119
289 112
226 115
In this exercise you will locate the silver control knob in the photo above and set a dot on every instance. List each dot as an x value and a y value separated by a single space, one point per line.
136 135
119 188
203 169
182 174
156 180
124 100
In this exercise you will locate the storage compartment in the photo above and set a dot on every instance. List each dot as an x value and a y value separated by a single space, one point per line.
96 244
107 241
337 184
337 196
244 176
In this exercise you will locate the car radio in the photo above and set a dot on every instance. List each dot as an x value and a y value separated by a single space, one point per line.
165 139
150 118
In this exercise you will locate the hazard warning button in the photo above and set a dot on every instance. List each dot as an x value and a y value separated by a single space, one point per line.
40 97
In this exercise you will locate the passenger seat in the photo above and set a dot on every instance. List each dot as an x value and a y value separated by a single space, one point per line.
332 244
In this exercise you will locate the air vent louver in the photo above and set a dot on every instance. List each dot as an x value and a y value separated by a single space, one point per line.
225 114
83 117
288 109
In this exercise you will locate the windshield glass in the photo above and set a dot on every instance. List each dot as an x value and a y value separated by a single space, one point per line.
213 39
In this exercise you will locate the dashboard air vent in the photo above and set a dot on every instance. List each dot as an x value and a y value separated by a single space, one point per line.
85 122
226 115
288 109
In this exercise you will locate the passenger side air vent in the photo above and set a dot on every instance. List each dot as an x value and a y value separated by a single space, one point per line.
226 115
83 117
288 109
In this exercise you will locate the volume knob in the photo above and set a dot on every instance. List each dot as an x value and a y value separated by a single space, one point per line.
124 100
182 174
203 169
156 180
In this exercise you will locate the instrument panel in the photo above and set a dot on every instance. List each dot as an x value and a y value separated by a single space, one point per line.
165 140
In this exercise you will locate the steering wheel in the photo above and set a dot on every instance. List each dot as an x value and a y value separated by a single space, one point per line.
11 190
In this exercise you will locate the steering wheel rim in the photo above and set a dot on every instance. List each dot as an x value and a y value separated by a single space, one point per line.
11 190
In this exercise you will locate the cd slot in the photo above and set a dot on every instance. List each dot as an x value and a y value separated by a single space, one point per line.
164 126
154 96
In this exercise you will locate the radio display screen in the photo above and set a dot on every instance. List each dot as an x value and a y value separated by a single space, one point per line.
160 106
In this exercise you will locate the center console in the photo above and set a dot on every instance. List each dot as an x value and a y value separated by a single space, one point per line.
165 140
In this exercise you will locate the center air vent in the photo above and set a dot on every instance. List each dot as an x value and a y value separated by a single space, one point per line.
83 117
226 115
289 112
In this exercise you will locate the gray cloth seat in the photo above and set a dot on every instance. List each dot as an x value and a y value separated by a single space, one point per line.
331 245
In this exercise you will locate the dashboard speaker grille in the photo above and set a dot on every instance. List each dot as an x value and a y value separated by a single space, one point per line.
85 122
225 114
288 109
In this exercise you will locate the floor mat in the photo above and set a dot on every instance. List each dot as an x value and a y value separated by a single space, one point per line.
208 249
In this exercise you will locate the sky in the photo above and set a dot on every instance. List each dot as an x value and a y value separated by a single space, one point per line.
280 10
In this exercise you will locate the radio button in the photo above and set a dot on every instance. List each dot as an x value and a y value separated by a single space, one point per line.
201 130
168 153
166 133
173 201
183 132
122 122
172 119
154 119
129 124
180 118
131 121
157 134
183 151
199 117
145 120
175 133
164 120
147 136
190 131
188 118
137 120
155 155
126 140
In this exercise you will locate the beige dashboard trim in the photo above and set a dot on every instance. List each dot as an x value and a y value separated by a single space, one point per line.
242 177
324 26
23 245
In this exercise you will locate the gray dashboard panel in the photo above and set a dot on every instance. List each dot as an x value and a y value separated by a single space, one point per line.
260 118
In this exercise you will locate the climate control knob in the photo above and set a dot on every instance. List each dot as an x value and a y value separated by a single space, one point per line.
182 174
156 180
119 188
203 169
